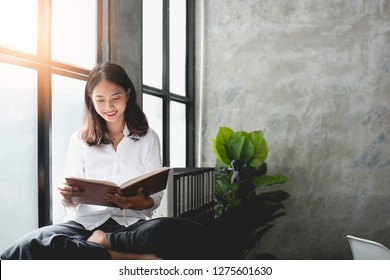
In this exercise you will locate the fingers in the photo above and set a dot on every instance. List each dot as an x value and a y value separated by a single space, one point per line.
67 192
140 190
122 201
137 202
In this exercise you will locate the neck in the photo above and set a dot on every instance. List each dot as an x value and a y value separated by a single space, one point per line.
115 128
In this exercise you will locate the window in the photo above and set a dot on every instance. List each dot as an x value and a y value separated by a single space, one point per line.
168 32
47 48
75 41
19 155
66 93
23 34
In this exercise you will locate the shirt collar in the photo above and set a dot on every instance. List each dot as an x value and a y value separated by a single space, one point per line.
127 133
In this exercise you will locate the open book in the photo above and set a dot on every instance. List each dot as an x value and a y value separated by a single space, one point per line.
96 190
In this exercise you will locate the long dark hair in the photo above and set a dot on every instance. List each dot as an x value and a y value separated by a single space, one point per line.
94 128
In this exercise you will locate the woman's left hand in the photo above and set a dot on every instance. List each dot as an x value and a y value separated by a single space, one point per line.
137 202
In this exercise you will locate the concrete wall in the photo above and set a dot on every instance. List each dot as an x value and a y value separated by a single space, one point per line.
126 39
315 77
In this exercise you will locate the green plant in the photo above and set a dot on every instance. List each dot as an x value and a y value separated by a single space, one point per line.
243 208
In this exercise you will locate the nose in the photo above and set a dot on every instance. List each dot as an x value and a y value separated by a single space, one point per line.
108 105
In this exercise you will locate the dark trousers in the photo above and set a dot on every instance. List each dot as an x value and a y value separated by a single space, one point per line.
168 238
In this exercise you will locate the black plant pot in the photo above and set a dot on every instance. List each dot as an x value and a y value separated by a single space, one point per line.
240 229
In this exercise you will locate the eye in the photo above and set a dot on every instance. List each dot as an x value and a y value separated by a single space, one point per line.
99 101
116 98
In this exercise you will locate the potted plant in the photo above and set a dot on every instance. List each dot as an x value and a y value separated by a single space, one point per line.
244 209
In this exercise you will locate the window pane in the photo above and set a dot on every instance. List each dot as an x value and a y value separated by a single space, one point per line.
19 156
74 32
152 107
152 43
178 134
18 24
177 46
68 104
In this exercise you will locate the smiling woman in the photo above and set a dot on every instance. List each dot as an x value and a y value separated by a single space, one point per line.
127 231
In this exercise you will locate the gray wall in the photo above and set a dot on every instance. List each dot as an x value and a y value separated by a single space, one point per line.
314 76
125 39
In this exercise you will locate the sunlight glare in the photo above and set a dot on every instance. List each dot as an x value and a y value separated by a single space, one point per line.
19 24
74 32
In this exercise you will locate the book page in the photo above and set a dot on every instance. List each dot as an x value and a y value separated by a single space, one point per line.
151 183
142 177
96 182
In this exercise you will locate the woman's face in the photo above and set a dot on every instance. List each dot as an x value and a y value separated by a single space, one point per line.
110 101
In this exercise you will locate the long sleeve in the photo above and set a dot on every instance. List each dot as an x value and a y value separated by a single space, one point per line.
74 162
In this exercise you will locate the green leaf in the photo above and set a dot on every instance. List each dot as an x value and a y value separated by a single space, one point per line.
239 146
260 148
234 146
219 144
274 196
267 180
248 149
259 170
222 186
225 191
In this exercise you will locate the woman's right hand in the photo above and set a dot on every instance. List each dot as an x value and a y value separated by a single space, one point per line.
68 192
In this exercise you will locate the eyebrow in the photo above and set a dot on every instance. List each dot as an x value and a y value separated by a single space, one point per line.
114 94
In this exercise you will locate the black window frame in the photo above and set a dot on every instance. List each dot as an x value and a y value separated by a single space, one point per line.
188 100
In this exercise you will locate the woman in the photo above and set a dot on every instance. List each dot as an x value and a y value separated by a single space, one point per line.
115 143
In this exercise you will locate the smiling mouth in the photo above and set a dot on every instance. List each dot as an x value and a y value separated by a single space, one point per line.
110 114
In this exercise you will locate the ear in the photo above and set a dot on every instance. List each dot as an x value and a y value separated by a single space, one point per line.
128 94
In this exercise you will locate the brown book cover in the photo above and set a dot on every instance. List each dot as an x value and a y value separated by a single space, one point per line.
96 190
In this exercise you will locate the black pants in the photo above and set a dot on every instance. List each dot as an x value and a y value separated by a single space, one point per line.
168 238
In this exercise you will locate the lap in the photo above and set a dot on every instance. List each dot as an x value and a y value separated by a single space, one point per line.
66 240
69 228
166 237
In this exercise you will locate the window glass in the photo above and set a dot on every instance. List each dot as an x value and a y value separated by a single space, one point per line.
177 134
74 32
152 43
19 155
177 46
19 24
67 105
152 107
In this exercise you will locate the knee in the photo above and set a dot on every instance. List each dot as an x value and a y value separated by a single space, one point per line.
100 238
185 239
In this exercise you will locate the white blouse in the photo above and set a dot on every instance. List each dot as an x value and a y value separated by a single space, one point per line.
133 157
